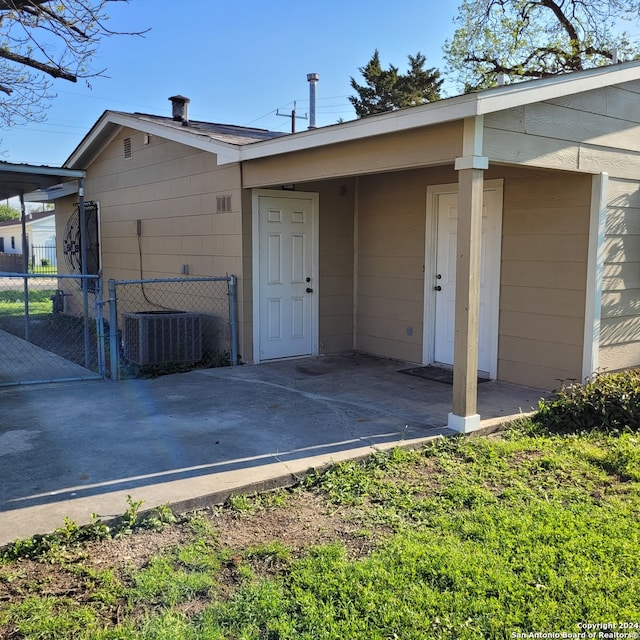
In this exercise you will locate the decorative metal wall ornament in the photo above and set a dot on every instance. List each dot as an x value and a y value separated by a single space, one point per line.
72 241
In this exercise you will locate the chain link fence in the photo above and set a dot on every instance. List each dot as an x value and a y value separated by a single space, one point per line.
51 328
166 325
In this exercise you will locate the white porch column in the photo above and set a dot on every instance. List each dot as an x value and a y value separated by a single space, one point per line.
595 271
470 167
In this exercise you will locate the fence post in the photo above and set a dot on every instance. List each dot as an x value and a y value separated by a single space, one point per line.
114 354
100 326
233 318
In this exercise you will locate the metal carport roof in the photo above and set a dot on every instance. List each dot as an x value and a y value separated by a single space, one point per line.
18 179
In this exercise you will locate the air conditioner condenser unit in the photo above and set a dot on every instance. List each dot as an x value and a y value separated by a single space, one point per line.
159 337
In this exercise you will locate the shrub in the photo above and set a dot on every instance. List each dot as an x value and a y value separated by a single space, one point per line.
606 401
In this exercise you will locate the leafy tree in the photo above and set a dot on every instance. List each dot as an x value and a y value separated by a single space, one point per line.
41 40
525 39
388 89
8 213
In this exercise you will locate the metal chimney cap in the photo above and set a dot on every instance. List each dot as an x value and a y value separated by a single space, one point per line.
180 109
313 77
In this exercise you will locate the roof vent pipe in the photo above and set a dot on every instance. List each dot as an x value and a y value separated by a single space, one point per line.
313 80
180 108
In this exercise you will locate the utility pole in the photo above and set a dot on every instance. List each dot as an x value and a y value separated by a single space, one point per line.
293 117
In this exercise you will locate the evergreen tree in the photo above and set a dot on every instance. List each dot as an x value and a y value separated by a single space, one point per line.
388 89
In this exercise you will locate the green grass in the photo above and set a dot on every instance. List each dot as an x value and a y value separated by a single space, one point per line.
469 538
47 269
12 302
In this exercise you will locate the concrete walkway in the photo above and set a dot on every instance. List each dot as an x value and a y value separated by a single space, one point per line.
77 448
23 363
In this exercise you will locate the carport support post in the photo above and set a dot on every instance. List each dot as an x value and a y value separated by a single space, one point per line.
83 258
470 167
25 265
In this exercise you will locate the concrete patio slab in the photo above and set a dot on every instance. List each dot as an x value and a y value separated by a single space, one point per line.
76 448
24 363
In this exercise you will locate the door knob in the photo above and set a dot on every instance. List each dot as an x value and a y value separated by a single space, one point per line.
309 290
438 288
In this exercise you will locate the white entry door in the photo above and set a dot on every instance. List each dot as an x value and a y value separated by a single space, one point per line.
444 282
287 277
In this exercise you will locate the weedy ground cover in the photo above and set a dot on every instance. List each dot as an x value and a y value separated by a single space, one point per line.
482 537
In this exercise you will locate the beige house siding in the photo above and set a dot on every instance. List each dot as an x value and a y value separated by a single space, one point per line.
596 131
172 189
372 214
407 149
335 286
620 322
543 277
391 236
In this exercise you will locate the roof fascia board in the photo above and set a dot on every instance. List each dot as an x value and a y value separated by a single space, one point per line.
199 141
449 109
52 193
519 94
226 153
440 112
34 170
84 148
435 113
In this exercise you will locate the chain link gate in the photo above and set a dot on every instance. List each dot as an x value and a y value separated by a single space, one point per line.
163 325
51 328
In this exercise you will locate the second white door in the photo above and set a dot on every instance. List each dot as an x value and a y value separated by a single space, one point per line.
446 211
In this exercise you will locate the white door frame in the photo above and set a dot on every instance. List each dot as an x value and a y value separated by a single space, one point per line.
255 242
493 272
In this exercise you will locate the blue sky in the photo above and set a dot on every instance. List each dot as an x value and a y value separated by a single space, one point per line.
238 62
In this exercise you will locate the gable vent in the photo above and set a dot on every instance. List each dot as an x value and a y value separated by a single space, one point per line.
223 204
127 147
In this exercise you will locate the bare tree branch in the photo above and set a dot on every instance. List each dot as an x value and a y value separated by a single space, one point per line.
47 39
54 72
537 38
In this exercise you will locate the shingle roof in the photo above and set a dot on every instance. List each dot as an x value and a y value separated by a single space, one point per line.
229 133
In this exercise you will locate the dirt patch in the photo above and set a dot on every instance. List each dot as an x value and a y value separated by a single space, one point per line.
306 520
303 520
